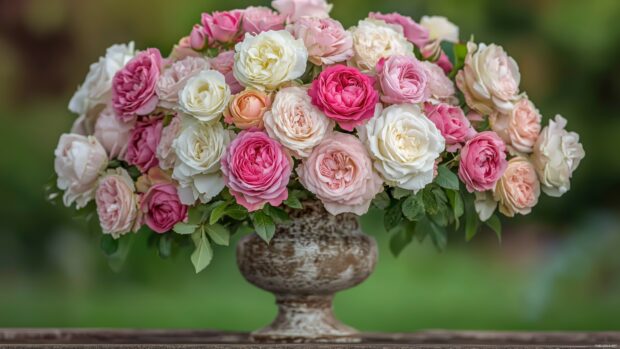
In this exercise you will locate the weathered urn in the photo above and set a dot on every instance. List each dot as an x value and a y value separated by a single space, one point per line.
306 262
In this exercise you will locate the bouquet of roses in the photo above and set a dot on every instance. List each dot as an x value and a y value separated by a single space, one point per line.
258 110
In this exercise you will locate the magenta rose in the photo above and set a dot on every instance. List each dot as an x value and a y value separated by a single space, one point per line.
403 79
451 122
224 63
222 26
345 95
256 170
414 32
133 87
143 142
161 208
483 161
261 19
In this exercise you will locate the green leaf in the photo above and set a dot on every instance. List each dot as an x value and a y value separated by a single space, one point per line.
446 178
430 201
459 53
134 172
293 202
118 258
421 231
399 193
164 247
496 225
393 216
472 222
203 254
219 234
236 212
381 200
108 244
219 209
438 234
279 215
243 229
185 229
413 207
458 208
264 225
401 238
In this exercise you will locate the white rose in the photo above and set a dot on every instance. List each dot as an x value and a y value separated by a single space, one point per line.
173 79
440 28
199 148
205 96
269 59
78 163
96 88
404 144
489 80
113 133
375 39
297 124
484 204
557 154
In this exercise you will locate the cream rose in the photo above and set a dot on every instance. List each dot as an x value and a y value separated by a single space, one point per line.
117 203
518 189
404 145
297 124
440 28
97 87
557 154
79 162
205 96
199 148
269 59
490 79
375 39
520 127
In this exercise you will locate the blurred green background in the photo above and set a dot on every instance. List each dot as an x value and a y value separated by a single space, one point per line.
557 269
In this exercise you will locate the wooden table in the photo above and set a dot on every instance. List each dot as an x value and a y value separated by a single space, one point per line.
117 338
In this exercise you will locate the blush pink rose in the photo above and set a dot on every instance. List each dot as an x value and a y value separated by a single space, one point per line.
174 77
326 40
224 63
414 32
520 127
261 19
222 26
451 122
143 142
295 9
165 153
403 79
133 87
183 49
113 133
198 37
518 189
439 84
483 161
345 95
117 203
256 170
161 208
339 172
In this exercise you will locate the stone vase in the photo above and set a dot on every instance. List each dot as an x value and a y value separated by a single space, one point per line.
306 262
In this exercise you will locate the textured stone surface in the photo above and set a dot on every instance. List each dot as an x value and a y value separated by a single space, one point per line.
306 262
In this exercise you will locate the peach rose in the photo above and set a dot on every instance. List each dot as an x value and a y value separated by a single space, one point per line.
518 189
520 127
246 109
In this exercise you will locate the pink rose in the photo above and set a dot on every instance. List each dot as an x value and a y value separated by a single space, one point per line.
444 63
403 79
174 77
339 172
325 38
256 170
117 203
414 32
143 143
483 161
165 153
198 37
224 63
222 26
345 95
161 208
520 127
451 122
113 133
518 189
183 49
440 85
261 19
295 9
133 87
